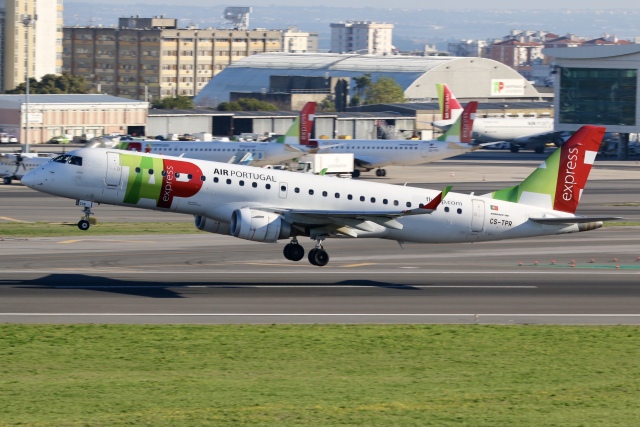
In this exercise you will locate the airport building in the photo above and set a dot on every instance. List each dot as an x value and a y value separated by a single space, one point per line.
49 116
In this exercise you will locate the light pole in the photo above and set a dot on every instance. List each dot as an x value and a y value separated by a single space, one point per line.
27 20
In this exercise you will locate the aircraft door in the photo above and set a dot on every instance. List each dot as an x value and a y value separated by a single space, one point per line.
283 190
114 170
477 219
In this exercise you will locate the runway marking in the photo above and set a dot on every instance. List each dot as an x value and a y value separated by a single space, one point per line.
64 242
364 264
6 218
327 286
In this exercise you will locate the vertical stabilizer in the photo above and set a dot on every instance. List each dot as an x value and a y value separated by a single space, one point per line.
559 181
449 105
462 129
300 130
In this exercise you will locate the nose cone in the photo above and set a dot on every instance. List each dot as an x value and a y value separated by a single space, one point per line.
31 178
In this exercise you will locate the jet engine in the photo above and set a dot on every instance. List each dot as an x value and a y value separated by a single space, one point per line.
259 226
211 226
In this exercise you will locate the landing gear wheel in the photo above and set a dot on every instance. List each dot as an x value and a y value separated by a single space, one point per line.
83 225
384 172
539 149
355 173
379 172
514 148
318 257
293 251
6 180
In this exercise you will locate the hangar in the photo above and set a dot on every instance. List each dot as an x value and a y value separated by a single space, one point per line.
471 78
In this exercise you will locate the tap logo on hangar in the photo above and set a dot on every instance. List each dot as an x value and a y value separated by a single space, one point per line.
160 179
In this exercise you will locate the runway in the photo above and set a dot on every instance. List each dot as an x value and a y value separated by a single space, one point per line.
206 278
217 279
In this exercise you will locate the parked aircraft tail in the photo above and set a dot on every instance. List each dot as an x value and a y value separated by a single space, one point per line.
300 130
449 105
461 130
559 181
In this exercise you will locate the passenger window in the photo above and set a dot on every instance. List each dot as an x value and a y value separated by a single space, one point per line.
150 171
203 178
385 201
350 197
241 183
446 208
362 198
311 192
408 204
297 190
177 174
337 195
268 186
459 210
395 203
215 179
228 181
189 177
138 170
283 188
373 200
324 194
254 184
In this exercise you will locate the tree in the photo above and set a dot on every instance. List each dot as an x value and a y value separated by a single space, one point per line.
55 84
179 102
384 91
246 104
327 104
361 85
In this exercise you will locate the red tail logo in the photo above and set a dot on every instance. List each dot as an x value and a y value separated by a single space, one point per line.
306 122
576 158
466 127
449 103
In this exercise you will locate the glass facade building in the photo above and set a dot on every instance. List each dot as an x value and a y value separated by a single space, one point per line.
599 96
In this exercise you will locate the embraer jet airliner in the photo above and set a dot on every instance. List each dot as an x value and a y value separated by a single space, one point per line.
270 205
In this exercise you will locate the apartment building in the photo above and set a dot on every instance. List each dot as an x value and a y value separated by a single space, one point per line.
31 34
150 58
366 37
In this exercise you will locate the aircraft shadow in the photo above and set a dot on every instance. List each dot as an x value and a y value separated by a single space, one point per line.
151 289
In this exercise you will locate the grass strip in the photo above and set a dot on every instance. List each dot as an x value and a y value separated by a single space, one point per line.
319 375
45 229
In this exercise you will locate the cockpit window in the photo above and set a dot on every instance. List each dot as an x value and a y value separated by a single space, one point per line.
66 158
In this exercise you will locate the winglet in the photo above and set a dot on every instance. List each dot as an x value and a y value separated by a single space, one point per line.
432 205
323 171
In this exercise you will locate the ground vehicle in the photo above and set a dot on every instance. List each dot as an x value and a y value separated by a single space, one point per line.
4 138
340 164
60 139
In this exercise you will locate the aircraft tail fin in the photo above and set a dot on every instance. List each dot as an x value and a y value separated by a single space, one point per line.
300 130
449 105
461 130
559 181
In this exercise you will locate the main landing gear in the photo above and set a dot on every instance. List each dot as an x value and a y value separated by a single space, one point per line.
381 172
295 252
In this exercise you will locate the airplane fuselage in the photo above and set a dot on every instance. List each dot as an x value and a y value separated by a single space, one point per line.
378 153
216 192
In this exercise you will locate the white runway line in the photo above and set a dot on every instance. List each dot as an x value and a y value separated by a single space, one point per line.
479 315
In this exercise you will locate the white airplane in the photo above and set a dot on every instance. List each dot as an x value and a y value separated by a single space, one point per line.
269 205
531 133
257 153
16 165
370 154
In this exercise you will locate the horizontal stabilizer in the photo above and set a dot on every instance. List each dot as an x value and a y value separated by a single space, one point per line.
575 219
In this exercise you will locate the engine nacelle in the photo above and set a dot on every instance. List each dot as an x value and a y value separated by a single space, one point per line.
211 225
259 226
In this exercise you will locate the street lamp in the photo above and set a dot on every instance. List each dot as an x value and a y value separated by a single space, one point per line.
27 20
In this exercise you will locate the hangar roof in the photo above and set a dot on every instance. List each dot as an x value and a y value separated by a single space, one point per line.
468 77
15 101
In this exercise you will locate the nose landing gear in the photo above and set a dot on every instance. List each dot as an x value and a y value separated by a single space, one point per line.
86 221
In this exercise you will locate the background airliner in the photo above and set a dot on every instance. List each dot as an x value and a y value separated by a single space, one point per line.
530 133
16 165
370 154
287 147
269 205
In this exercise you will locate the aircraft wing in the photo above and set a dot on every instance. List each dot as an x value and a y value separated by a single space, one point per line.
348 223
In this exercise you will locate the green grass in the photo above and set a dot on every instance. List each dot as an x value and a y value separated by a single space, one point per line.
129 375
45 229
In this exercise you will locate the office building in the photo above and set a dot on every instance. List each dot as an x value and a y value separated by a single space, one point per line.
364 37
